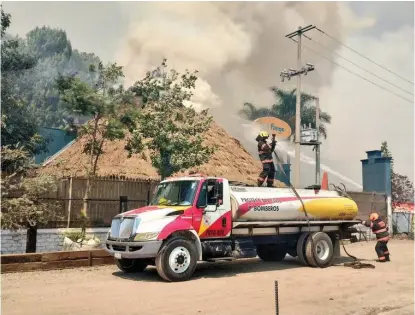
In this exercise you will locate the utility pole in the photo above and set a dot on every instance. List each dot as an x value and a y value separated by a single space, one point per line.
318 141
288 74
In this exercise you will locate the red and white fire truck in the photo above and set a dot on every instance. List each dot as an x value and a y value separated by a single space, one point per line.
197 218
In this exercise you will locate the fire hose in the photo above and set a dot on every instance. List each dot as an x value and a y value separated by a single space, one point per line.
357 263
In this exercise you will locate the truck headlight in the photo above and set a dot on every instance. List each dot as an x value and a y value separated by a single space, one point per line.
146 236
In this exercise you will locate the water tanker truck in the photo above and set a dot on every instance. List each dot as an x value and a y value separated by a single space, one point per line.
197 218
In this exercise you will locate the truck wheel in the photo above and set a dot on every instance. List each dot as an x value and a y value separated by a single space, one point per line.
301 246
177 260
271 252
319 250
131 265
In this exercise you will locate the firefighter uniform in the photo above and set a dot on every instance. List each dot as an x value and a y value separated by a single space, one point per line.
265 155
381 230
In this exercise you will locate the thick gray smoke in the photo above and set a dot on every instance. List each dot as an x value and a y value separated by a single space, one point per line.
239 49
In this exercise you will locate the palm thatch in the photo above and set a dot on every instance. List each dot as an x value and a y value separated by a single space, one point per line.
230 160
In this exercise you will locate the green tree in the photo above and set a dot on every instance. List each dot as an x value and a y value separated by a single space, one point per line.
108 104
173 128
55 56
18 126
402 187
285 107
22 190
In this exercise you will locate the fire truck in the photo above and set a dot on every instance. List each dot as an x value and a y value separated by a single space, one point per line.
198 218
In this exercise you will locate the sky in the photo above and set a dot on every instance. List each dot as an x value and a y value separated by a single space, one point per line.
240 49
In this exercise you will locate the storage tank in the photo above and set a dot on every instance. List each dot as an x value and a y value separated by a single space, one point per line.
281 204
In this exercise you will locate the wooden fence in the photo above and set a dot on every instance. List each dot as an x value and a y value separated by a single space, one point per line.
109 195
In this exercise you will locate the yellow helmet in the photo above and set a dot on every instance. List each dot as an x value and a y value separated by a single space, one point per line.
264 134
373 216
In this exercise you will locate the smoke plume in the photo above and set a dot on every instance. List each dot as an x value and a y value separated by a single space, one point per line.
239 49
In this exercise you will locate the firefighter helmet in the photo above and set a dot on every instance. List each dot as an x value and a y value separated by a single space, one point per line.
264 134
373 216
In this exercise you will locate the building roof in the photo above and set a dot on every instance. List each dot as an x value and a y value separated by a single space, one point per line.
230 160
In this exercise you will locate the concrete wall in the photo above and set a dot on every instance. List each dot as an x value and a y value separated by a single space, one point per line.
48 240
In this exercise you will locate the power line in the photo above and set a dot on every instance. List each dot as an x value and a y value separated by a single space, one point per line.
325 47
382 87
390 71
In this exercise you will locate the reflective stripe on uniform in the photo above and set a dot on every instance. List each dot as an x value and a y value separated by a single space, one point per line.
384 239
379 231
267 161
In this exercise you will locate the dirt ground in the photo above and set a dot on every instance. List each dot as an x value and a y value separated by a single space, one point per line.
238 288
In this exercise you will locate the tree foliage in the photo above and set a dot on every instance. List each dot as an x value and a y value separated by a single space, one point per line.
172 126
107 103
285 108
55 57
22 191
18 126
402 187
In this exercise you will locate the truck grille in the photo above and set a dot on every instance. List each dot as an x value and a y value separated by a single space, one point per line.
123 228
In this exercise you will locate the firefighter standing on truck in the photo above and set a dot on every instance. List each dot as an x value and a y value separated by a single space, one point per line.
265 155
381 230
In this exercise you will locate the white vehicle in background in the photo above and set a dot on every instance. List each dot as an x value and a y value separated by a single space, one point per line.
197 218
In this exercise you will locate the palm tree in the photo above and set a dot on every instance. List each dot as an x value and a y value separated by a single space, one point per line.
284 109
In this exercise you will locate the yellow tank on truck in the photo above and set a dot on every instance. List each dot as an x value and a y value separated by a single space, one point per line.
281 204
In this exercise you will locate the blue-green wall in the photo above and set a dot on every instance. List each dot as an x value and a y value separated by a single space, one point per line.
58 139
280 175
376 173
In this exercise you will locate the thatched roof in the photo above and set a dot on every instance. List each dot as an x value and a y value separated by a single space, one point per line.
230 160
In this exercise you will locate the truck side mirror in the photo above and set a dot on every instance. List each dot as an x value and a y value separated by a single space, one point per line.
218 202
218 193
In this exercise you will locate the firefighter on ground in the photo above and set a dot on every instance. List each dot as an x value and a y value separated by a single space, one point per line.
381 230
265 155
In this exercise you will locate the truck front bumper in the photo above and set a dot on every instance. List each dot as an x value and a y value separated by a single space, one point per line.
133 250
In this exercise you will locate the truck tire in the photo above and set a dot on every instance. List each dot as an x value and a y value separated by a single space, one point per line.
319 250
131 265
177 260
301 246
271 252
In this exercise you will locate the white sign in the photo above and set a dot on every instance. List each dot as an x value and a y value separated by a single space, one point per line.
308 135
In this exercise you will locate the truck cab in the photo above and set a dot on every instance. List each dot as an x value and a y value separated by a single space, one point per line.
195 218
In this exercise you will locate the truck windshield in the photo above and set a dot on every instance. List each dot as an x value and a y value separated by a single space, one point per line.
175 193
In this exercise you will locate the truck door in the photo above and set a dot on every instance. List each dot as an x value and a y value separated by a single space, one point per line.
213 218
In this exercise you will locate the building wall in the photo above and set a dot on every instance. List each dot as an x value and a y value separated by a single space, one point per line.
281 177
58 139
376 173
48 240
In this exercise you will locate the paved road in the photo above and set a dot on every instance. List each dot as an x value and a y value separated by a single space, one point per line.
237 288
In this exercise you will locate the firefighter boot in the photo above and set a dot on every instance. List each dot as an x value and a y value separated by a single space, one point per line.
387 257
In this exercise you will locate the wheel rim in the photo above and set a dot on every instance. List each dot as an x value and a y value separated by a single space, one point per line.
322 249
179 259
